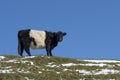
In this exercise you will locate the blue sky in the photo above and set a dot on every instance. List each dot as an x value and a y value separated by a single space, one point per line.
92 26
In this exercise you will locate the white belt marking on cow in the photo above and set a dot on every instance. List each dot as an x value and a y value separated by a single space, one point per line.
39 37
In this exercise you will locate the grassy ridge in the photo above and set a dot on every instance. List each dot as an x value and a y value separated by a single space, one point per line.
53 68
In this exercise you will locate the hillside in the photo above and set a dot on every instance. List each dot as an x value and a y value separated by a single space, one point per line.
57 68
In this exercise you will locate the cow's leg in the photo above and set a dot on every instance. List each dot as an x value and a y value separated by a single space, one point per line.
20 51
28 51
27 47
51 53
48 50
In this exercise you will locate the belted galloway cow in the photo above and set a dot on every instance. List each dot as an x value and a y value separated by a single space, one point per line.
38 39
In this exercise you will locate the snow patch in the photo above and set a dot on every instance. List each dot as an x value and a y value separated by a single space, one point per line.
87 64
103 61
39 72
22 71
69 64
107 71
6 71
10 61
29 56
66 69
90 64
52 65
28 62
102 71
84 72
7 67
2 57
28 78
58 72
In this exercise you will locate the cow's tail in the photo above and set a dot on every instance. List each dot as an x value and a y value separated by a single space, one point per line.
20 47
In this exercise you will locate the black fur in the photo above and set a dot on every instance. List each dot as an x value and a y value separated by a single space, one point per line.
51 41
24 41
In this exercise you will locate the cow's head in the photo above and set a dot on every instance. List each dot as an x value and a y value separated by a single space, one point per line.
60 35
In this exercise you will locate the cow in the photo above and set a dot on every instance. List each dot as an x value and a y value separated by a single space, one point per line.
38 39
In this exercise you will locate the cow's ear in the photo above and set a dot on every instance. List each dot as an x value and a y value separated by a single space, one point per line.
64 34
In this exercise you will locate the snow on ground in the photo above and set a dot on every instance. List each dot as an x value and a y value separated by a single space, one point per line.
6 71
70 64
100 63
84 72
52 65
107 71
87 64
2 57
12 61
91 64
58 72
39 72
103 61
32 63
26 78
29 57
95 72
22 71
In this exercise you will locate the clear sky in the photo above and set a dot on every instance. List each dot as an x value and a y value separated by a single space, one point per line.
92 26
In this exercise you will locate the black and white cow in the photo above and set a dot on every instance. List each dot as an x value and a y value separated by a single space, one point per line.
37 39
